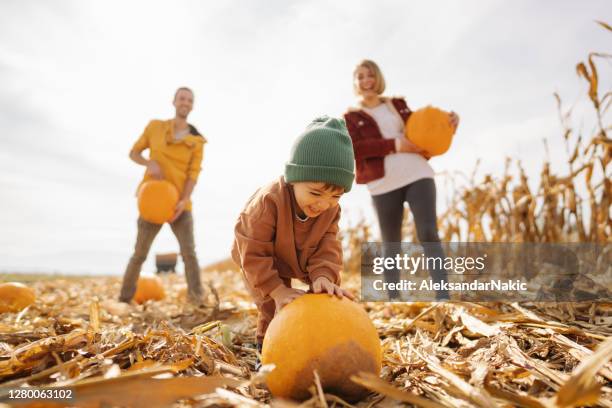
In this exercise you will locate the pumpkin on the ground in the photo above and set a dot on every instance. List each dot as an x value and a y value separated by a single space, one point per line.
157 200
430 129
15 296
149 288
320 332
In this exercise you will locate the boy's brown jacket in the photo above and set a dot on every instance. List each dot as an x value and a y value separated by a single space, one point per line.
271 243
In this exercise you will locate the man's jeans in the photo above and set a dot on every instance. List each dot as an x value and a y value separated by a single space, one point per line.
183 230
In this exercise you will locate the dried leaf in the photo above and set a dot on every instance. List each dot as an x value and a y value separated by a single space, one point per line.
520 400
373 383
594 82
94 317
604 25
320 393
135 391
236 399
478 396
477 326
581 388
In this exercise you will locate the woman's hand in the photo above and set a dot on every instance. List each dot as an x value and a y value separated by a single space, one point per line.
154 170
403 145
453 120
283 295
324 285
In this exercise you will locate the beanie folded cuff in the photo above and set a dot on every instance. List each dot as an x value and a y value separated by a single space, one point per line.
324 174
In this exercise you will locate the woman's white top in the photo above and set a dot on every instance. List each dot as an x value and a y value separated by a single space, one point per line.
401 169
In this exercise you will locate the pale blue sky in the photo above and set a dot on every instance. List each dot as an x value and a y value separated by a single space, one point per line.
79 80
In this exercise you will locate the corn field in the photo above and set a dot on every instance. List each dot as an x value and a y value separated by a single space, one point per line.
504 209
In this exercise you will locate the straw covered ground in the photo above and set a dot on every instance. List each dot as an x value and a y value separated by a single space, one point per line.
435 354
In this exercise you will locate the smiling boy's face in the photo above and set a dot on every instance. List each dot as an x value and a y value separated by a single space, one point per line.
313 198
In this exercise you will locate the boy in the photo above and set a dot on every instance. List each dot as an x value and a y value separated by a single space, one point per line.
288 228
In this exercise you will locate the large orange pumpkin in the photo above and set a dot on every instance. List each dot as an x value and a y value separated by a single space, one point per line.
149 288
319 332
157 200
429 128
15 297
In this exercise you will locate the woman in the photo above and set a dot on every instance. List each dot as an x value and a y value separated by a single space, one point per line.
394 169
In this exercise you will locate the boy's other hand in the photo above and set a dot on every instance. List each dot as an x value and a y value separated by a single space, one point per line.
154 170
283 295
324 285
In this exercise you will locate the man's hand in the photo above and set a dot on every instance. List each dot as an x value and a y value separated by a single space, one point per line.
324 285
154 170
403 145
283 295
178 210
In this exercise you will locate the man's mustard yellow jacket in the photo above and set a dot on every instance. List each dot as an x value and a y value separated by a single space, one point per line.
179 159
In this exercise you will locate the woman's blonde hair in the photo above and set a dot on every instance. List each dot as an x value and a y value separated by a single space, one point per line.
379 86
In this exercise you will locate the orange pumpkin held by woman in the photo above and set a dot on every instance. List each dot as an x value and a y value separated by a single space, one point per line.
430 129
149 288
157 200
320 332
14 297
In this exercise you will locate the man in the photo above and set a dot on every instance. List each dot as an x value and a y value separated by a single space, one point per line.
175 154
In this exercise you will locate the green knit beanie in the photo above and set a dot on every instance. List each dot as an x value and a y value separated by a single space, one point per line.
323 153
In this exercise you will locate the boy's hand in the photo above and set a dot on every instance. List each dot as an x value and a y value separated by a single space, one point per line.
324 285
283 295
178 210
154 170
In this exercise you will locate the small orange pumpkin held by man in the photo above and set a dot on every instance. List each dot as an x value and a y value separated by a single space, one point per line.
157 200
